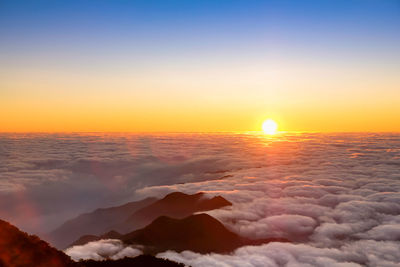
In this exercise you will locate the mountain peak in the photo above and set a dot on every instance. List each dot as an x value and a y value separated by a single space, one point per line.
178 195
200 233
175 205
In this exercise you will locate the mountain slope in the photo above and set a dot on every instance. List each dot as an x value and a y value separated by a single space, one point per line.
175 205
18 249
94 223
200 233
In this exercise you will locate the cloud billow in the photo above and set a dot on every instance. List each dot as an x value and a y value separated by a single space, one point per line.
103 249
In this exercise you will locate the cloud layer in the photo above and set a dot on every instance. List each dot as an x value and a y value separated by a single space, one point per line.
80 173
338 208
101 250
336 196
360 253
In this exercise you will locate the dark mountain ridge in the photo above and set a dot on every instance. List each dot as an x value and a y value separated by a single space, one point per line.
94 223
175 205
199 233
131 216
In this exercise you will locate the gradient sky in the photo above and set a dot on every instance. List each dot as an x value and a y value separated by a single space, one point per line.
199 65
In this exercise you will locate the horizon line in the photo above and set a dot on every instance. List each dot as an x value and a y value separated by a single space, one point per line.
183 132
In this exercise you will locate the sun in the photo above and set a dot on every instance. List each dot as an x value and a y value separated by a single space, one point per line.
270 127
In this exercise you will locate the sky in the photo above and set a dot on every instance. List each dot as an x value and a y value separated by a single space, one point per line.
193 66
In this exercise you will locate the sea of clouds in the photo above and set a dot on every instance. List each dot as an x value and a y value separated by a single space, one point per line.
336 196
340 205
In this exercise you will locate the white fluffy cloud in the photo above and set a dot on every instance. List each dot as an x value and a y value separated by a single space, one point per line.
359 253
102 249
355 224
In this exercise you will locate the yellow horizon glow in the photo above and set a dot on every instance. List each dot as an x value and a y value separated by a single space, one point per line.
56 116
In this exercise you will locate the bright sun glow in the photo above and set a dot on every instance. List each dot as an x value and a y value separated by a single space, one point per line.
269 126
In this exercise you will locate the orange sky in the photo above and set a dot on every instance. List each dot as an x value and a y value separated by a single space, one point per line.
219 99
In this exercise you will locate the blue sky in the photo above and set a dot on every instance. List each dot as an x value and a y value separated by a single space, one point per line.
196 27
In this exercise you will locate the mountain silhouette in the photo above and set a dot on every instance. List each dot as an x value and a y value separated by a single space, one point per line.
131 216
94 223
199 233
18 249
139 261
175 205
